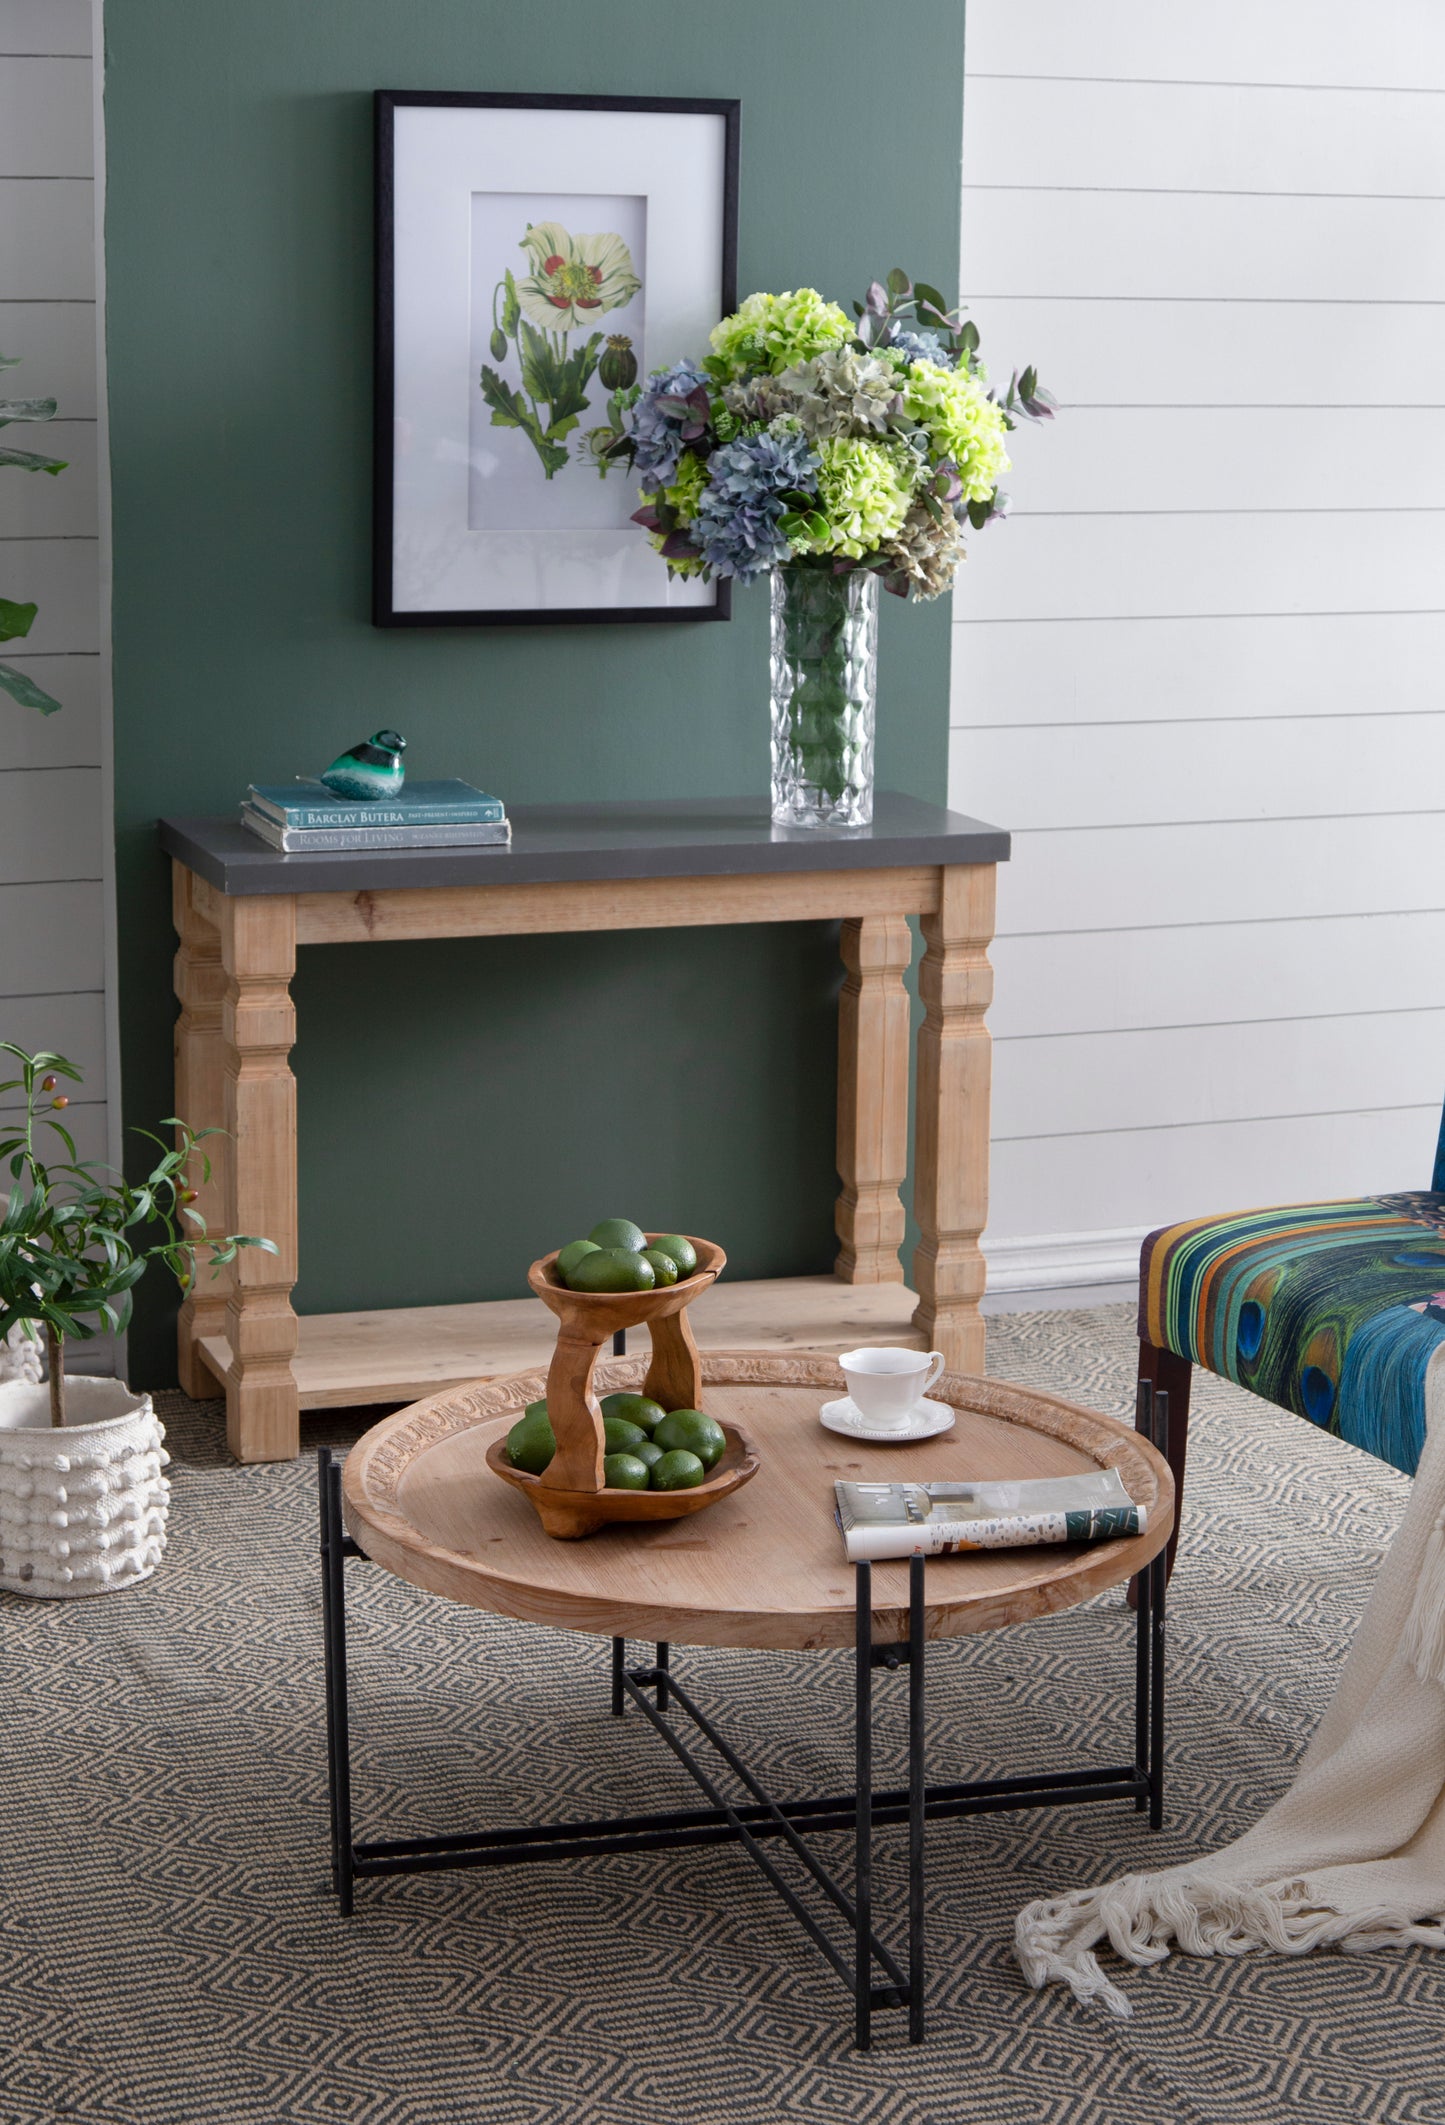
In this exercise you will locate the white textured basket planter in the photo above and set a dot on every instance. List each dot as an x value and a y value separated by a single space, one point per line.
83 1509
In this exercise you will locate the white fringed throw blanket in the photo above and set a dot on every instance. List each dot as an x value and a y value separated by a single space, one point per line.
1353 1856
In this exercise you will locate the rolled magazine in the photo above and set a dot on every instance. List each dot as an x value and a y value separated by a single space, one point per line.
934 1519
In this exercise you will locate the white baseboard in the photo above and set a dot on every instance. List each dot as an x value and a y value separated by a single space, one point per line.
1062 1269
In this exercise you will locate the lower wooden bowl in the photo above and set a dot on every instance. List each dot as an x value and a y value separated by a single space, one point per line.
568 1514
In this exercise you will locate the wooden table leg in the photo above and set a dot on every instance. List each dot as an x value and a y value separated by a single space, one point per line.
950 1187
258 951
873 1034
200 1097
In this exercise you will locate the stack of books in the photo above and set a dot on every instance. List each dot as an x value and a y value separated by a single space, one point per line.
302 815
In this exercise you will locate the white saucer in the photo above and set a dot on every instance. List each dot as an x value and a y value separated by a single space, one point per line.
926 1422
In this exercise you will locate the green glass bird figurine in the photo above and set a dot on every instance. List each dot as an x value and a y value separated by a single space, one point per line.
370 770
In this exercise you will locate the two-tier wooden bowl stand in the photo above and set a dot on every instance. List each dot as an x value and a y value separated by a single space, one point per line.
571 1496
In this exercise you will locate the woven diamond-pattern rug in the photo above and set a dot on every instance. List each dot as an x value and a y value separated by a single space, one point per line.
170 1953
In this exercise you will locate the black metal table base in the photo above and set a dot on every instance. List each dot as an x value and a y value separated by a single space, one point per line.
867 1967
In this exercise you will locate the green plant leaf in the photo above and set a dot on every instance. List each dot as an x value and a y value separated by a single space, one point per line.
15 620
508 411
541 371
563 384
511 307
898 281
25 409
922 293
28 461
64 1134
22 688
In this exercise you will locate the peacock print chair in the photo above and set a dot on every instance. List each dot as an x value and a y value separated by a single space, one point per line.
1331 1310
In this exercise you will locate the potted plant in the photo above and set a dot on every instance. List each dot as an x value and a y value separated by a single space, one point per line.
84 1512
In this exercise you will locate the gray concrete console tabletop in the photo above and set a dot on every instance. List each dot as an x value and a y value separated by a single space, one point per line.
241 910
569 843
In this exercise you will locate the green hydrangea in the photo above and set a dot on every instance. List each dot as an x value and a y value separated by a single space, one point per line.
773 332
864 489
687 485
963 424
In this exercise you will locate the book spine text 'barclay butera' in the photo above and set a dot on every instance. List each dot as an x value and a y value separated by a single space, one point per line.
290 840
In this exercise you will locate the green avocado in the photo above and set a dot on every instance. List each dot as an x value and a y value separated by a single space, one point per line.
677 1471
612 1269
530 1442
620 1436
624 1472
618 1232
635 1408
682 1251
571 1255
691 1431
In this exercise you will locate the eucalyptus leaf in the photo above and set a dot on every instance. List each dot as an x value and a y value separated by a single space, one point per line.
898 282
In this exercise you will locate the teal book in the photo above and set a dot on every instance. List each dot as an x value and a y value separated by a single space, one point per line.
307 806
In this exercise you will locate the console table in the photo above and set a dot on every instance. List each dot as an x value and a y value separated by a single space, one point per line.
241 911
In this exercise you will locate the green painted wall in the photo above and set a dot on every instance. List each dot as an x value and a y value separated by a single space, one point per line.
465 1105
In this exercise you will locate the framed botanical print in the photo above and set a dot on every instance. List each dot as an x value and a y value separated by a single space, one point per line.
536 256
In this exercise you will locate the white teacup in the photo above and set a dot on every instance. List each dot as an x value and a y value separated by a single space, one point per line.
886 1385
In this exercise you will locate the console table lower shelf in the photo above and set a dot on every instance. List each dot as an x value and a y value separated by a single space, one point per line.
761 1568
396 1354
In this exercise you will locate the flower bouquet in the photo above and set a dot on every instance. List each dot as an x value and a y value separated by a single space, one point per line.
832 455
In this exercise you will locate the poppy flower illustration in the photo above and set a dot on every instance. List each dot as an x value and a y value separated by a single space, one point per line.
574 279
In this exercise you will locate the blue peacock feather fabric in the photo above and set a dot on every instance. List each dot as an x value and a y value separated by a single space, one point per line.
1332 1310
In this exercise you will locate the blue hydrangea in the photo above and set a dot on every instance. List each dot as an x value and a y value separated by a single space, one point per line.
923 347
737 519
657 435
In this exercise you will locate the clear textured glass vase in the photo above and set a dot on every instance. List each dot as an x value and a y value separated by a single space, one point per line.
825 676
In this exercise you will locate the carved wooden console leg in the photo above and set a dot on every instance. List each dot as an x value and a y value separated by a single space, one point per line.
200 1099
258 1022
950 1185
873 1034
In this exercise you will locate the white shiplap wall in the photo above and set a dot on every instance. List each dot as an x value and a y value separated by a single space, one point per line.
54 835
1201 672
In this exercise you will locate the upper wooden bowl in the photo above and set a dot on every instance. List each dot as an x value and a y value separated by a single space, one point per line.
599 1314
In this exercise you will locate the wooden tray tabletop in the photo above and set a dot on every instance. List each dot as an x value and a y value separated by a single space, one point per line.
765 1566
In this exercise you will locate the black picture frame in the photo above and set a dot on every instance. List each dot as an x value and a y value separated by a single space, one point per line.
386 104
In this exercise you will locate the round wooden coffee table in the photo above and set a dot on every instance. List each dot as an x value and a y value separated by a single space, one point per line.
764 1567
